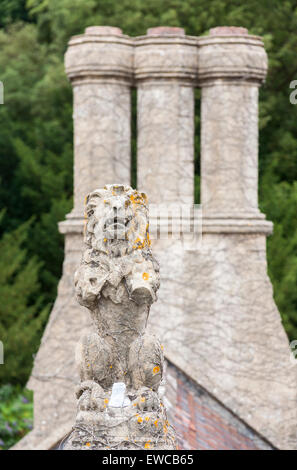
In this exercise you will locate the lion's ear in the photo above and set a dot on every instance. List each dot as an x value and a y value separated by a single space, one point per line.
144 197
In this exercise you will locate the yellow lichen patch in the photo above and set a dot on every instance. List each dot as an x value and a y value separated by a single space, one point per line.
145 276
88 444
156 423
138 244
139 419
162 347
110 366
147 445
105 240
156 369
134 404
88 365
142 399
147 418
106 400
137 199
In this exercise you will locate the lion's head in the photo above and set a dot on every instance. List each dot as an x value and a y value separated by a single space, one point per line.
117 248
117 220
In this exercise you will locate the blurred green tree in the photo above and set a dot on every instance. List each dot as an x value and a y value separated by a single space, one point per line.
12 10
22 317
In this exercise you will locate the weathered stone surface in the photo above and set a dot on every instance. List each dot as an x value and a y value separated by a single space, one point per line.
101 137
166 53
117 281
99 65
166 71
231 55
166 31
102 51
228 31
229 122
165 141
230 160
215 305
224 323
227 330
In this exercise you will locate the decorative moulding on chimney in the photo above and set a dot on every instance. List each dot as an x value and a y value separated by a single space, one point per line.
231 53
166 53
228 31
102 51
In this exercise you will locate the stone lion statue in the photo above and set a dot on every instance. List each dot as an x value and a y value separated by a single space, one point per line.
117 281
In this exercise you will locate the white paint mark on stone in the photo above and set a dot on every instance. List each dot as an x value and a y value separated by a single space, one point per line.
118 396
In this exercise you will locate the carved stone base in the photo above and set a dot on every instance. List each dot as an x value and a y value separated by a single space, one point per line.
123 428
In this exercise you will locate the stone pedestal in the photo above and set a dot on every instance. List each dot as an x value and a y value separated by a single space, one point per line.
120 363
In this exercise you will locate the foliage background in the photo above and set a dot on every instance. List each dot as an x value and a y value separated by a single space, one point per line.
36 145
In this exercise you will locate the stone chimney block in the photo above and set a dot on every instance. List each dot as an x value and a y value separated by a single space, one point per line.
165 72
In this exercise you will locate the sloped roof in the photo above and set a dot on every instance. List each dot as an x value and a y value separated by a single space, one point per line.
201 421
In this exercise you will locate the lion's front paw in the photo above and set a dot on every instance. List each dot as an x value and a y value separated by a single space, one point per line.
91 396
